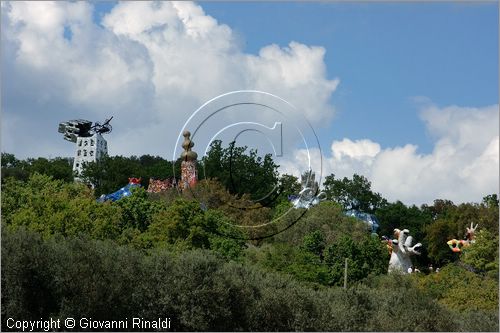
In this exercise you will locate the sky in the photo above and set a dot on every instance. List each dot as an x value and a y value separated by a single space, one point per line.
405 94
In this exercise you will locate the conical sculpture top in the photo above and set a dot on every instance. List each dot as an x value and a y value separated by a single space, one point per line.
188 154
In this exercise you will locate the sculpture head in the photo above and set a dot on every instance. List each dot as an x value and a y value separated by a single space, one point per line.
470 233
396 233
134 181
402 235
457 245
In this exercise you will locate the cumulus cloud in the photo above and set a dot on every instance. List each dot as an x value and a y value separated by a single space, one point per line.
463 166
149 64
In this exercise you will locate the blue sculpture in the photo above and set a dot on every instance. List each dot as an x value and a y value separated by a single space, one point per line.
123 192
307 198
309 195
369 219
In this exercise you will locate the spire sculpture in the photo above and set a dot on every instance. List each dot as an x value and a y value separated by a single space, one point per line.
188 164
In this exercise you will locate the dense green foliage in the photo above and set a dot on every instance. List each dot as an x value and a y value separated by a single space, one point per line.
347 191
58 168
64 277
366 258
56 207
193 256
450 222
241 173
460 289
53 207
483 254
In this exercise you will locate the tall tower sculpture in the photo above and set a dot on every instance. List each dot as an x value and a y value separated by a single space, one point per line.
89 142
188 164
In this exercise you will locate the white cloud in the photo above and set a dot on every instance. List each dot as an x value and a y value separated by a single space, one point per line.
150 65
358 150
463 166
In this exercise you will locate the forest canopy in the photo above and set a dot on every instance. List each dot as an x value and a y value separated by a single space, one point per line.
194 255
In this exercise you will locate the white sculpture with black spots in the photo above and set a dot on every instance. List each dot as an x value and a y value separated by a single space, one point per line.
402 250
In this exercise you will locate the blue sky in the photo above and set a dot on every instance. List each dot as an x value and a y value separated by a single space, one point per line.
403 93
384 54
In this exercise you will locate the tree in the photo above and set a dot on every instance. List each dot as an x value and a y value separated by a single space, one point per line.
491 201
182 220
483 253
462 290
158 168
368 257
138 210
438 233
12 167
398 215
108 174
450 222
78 276
242 173
57 168
439 209
300 263
53 207
346 191
326 217
314 242
288 185
9 160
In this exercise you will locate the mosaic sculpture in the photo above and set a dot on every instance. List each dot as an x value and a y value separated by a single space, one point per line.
370 220
188 164
123 192
307 198
402 250
470 238
388 243
309 195
157 185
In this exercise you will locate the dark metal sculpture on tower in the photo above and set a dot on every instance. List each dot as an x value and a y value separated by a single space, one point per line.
90 145
105 128
72 129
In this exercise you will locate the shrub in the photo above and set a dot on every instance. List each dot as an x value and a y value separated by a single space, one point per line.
460 289
80 277
54 207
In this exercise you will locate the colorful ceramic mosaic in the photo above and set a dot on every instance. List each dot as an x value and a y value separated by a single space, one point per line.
157 185
188 165
470 238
